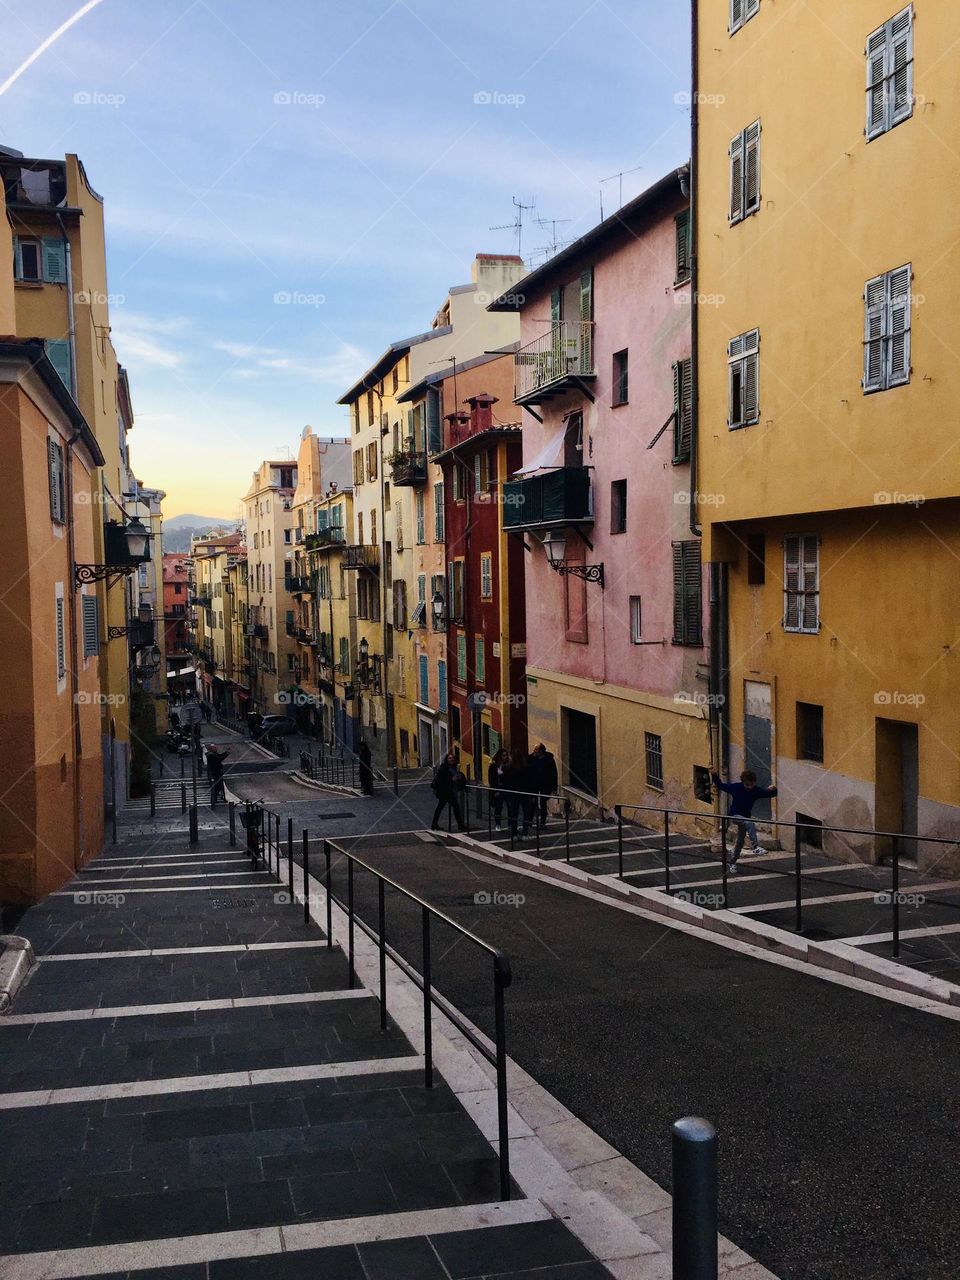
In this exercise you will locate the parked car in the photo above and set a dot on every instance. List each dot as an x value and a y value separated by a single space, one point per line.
276 727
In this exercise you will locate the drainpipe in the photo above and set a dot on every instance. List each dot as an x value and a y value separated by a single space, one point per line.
71 321
694 264
74 656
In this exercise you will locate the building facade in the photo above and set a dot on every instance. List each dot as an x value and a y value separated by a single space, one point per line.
269 530
827 389
617 671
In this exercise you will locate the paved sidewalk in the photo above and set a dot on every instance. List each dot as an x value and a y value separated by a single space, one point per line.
189 1090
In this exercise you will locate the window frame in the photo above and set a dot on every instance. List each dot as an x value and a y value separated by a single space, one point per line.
636 619
486 575
882 46
886 297
618 506
741 11
742 351
802 591
744 149
620 379
804 722
653 760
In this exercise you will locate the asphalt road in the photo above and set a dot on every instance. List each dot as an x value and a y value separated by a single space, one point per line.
837 1110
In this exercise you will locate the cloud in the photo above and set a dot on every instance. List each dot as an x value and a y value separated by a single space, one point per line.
337 367
139 339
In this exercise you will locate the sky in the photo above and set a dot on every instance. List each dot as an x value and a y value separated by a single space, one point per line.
289 187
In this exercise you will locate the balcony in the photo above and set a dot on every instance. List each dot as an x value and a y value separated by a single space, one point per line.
297 586
291 630
324 539
303 635
258 631
409 468
362 555
202 602
558 497
559 361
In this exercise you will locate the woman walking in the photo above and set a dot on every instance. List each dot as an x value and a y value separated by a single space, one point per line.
496 781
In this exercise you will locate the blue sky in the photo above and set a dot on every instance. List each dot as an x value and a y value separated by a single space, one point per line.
327 149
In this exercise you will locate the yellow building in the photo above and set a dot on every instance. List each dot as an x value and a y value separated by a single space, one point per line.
826 189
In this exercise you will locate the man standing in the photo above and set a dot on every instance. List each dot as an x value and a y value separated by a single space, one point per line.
743 796
215 759
447 785
366 769
543 778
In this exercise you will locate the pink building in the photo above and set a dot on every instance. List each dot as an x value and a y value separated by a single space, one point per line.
615 600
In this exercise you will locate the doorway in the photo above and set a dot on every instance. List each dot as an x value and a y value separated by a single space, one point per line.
898 784
758 739
426 742
580 740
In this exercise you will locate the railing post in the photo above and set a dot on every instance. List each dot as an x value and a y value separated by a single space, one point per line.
181 767
232 823
537 825
396 781
618 810
501 980
798 906
350 982
183 797
326 873
279 877
290 858
694 1200
153 801
723 856
382 929
305 847
895 899
490 814
666 850
566 824
194 831
427 1003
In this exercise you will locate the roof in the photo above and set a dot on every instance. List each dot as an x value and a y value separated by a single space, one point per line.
33 350
514 298
396 351
417 389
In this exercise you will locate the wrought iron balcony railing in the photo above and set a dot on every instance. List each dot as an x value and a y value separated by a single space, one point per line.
558 497
554 362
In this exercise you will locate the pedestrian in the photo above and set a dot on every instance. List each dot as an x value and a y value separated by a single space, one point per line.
496 776
366 769
543 778
743 796
207 712
215 759
517 786
448 784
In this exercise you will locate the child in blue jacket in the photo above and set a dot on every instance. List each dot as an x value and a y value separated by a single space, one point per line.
743 796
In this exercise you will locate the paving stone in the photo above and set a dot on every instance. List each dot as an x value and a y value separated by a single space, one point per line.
260 1204
340 1263
413 1259
500 1250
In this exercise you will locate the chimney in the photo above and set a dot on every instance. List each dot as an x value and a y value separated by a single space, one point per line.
481 411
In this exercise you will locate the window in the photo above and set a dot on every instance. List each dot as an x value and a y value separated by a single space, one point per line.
886 331
486 576
635 620
618 506
290 662
684 254
90 614
458 482
479 663
687 593
400 604
27 258
344 662
481 473
682 410
421 519
424 680
491 741
653 746
434 425
372 461
61 639
419 618
373 527
438 530
456 593
58 353
745 173
58 506
355 412
178 588
358 466
756 559
369 408
890 74
809 732
621 378
395 379
442 685
360 526
743 361
461 658
742 11
801 583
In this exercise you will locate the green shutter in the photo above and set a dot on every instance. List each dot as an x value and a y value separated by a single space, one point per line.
586 294
683 411
54 260
555 308
479 663
683 246
434 426
462 658
58 353
687 605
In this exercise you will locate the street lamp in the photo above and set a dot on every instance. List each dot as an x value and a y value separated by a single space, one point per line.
555 546
137 537
438 604
363 650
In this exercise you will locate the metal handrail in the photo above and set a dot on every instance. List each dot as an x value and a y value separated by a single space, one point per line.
723 820
263 835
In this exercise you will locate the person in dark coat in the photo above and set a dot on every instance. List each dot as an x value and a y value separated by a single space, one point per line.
496 775
366 769
543 777
517 786
448 785
743 796
215 759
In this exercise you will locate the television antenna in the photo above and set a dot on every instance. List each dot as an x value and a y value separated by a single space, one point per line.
517 224
556 244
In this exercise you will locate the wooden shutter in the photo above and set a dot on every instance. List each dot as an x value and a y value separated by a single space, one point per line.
687 604
434 425
736 14
683 410
91 625
791 582
61 641
875 297
54 260
750 382
876 82
898 326
683 246
736 178
750 8
900 68
56 481
810 583
479 659
438 513
58 353
751 168
586 294
555 307
462 658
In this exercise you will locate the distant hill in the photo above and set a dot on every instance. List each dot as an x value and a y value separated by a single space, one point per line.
178 531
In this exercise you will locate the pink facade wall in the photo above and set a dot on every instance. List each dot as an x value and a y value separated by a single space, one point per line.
635 306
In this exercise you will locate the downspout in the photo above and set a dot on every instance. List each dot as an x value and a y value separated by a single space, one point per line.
75 657
694 264
71 319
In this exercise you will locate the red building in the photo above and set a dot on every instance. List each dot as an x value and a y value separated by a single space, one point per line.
175 578
485 607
